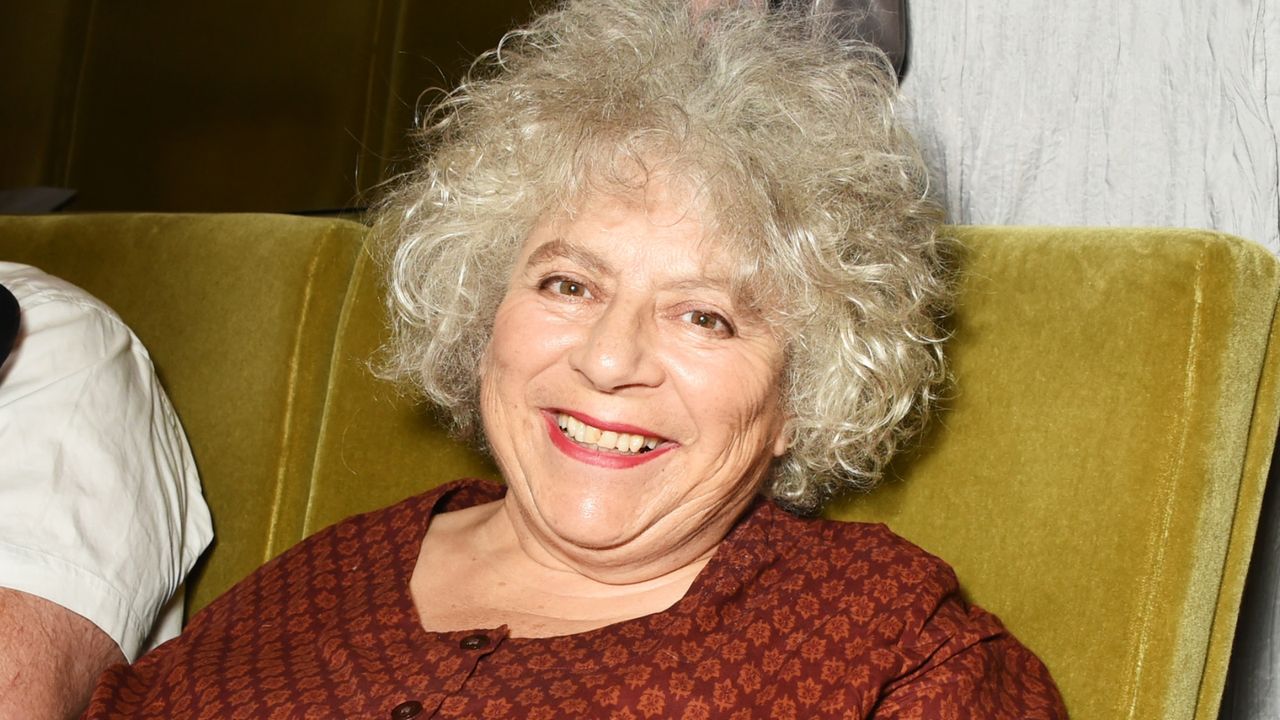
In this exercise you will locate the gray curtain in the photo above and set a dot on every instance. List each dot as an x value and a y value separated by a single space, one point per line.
1141 112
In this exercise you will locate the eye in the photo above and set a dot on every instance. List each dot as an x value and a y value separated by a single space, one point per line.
565 286
709 321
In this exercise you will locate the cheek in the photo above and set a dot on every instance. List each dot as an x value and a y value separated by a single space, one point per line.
526 336
507 354
501 399
522 363
496 371
747 406
505 334
493 420
738 392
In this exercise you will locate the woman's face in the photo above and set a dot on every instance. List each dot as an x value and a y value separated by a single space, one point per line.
618 330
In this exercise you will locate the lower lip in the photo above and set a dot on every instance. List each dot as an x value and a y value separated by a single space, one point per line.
599 458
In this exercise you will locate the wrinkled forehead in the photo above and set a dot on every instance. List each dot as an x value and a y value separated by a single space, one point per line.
733 248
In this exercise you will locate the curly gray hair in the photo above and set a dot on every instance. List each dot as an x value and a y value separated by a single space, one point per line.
790 136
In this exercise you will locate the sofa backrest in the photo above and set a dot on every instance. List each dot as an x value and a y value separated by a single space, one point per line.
1096 473
1094 476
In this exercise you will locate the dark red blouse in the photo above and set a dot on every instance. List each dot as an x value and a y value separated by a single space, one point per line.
791 618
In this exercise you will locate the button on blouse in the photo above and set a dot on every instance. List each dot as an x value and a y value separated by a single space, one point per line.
406 710
474 642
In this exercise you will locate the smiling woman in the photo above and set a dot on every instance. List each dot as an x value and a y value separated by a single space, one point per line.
783 140
673 269
622 321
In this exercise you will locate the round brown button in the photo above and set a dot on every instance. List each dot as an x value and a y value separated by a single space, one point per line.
405 710
474 642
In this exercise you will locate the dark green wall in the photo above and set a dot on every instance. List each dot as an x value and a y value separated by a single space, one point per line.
283 105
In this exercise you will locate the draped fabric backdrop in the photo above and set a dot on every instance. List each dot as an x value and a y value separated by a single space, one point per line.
1140 112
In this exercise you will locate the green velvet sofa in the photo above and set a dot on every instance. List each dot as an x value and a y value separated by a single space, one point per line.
1094 477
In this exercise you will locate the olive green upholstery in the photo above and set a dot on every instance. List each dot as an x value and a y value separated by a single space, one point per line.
261 327
1095 475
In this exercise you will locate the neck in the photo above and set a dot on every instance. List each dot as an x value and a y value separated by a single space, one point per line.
475 570
629 565
650 557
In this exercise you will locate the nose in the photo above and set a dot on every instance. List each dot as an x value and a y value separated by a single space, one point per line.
617 350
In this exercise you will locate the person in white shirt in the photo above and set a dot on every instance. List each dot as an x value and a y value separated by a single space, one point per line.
101 514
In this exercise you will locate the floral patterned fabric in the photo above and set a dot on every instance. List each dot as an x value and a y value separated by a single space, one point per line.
791 618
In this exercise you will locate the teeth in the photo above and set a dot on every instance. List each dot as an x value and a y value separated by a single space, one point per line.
607 439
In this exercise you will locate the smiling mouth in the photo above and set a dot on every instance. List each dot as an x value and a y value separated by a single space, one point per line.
606 440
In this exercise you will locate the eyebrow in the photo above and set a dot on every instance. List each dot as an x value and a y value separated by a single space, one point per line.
561 248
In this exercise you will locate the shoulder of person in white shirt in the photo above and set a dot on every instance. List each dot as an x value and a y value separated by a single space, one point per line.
101 514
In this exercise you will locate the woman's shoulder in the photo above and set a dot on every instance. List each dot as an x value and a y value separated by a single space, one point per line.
852 579
380 544
854 553
882 608
358 565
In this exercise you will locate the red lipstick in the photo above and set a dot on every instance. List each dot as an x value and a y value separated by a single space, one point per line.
603 425
600 458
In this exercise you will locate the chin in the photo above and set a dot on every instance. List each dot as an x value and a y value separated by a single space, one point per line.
590 521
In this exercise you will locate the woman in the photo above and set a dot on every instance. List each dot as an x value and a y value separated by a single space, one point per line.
659 265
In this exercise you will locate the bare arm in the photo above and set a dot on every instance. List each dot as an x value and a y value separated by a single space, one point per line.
50 658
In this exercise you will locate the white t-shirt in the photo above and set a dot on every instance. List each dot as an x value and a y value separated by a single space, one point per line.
100 504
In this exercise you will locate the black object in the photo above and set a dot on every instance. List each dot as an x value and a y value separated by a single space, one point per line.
9 318
882 23
474 642
39 199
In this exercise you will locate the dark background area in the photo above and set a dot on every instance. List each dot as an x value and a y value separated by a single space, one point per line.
235 105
